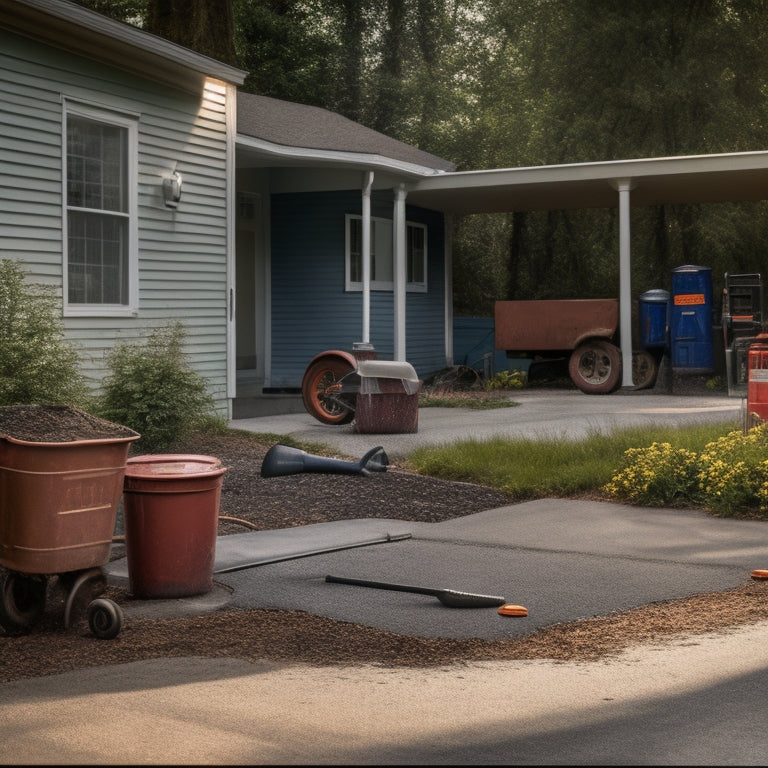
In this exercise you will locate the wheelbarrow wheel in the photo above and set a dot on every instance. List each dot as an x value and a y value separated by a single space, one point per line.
82 587
321 391
22 601
105 618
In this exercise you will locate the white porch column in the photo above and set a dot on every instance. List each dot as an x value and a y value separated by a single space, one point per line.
366 256
448 261
399 272
625 283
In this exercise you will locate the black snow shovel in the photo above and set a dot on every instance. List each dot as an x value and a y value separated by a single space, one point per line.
450 597
284 460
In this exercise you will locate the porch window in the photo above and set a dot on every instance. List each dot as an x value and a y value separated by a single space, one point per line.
100 242
382 255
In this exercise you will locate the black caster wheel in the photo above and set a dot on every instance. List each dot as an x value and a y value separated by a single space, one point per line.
105 618
22 601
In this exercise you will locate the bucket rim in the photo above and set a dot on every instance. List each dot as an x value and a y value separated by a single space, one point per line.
141 467
70 443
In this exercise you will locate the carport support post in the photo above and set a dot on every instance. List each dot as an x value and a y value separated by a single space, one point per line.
366 255
625 283
399 272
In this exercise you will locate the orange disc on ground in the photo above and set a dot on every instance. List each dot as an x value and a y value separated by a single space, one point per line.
760 574
508 609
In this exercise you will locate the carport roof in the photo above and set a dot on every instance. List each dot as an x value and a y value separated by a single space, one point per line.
653 181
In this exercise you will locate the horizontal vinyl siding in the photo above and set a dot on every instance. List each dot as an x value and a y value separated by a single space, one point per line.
425 312
311 311
182 253
30 167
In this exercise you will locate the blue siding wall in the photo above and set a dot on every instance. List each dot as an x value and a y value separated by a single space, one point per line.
311 311
473 341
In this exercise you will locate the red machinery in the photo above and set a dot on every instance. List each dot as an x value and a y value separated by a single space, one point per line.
757 384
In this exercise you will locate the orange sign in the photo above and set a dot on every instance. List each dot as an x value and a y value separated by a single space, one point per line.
689 298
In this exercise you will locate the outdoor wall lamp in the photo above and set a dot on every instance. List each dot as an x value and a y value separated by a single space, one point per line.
172 190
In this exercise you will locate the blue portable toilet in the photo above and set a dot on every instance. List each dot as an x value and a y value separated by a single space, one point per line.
690 320
654 311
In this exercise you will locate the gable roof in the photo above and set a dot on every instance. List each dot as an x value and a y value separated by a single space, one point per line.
73 28
285 130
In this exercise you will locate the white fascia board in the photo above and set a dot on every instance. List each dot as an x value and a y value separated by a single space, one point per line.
603 170
304 155
73 14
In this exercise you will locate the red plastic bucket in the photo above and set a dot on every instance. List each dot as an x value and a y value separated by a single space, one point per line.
171 511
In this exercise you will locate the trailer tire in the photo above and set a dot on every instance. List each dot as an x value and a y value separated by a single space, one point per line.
595 367
644 369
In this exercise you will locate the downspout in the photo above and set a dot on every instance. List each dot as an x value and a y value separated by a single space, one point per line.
231 243
625 283
399 272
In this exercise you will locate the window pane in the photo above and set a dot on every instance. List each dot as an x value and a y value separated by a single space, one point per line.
97 179
416 255
97 247
381 251
355 250
96 165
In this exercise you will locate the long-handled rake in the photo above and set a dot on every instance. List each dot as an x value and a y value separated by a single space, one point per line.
450 597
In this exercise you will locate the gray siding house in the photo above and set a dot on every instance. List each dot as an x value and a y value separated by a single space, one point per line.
138 182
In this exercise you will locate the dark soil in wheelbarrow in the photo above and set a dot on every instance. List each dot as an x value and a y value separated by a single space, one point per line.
57 424
294 636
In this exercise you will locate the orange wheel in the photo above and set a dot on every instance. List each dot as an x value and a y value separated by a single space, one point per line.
322 392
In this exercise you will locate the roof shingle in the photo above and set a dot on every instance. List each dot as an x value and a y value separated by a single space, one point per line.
298 125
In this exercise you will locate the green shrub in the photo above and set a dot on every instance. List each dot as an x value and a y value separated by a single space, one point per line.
506 380
153 390
38 365
733 472
658 476
729 476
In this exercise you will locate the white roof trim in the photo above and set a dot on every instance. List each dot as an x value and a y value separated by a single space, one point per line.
93 22
266 151
684 179
615 169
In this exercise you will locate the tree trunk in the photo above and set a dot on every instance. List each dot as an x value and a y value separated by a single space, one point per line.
205 26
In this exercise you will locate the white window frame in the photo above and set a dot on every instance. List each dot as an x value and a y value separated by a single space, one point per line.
130 125
382 244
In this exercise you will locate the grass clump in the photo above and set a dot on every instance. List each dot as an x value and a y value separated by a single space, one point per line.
529 469
469 400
